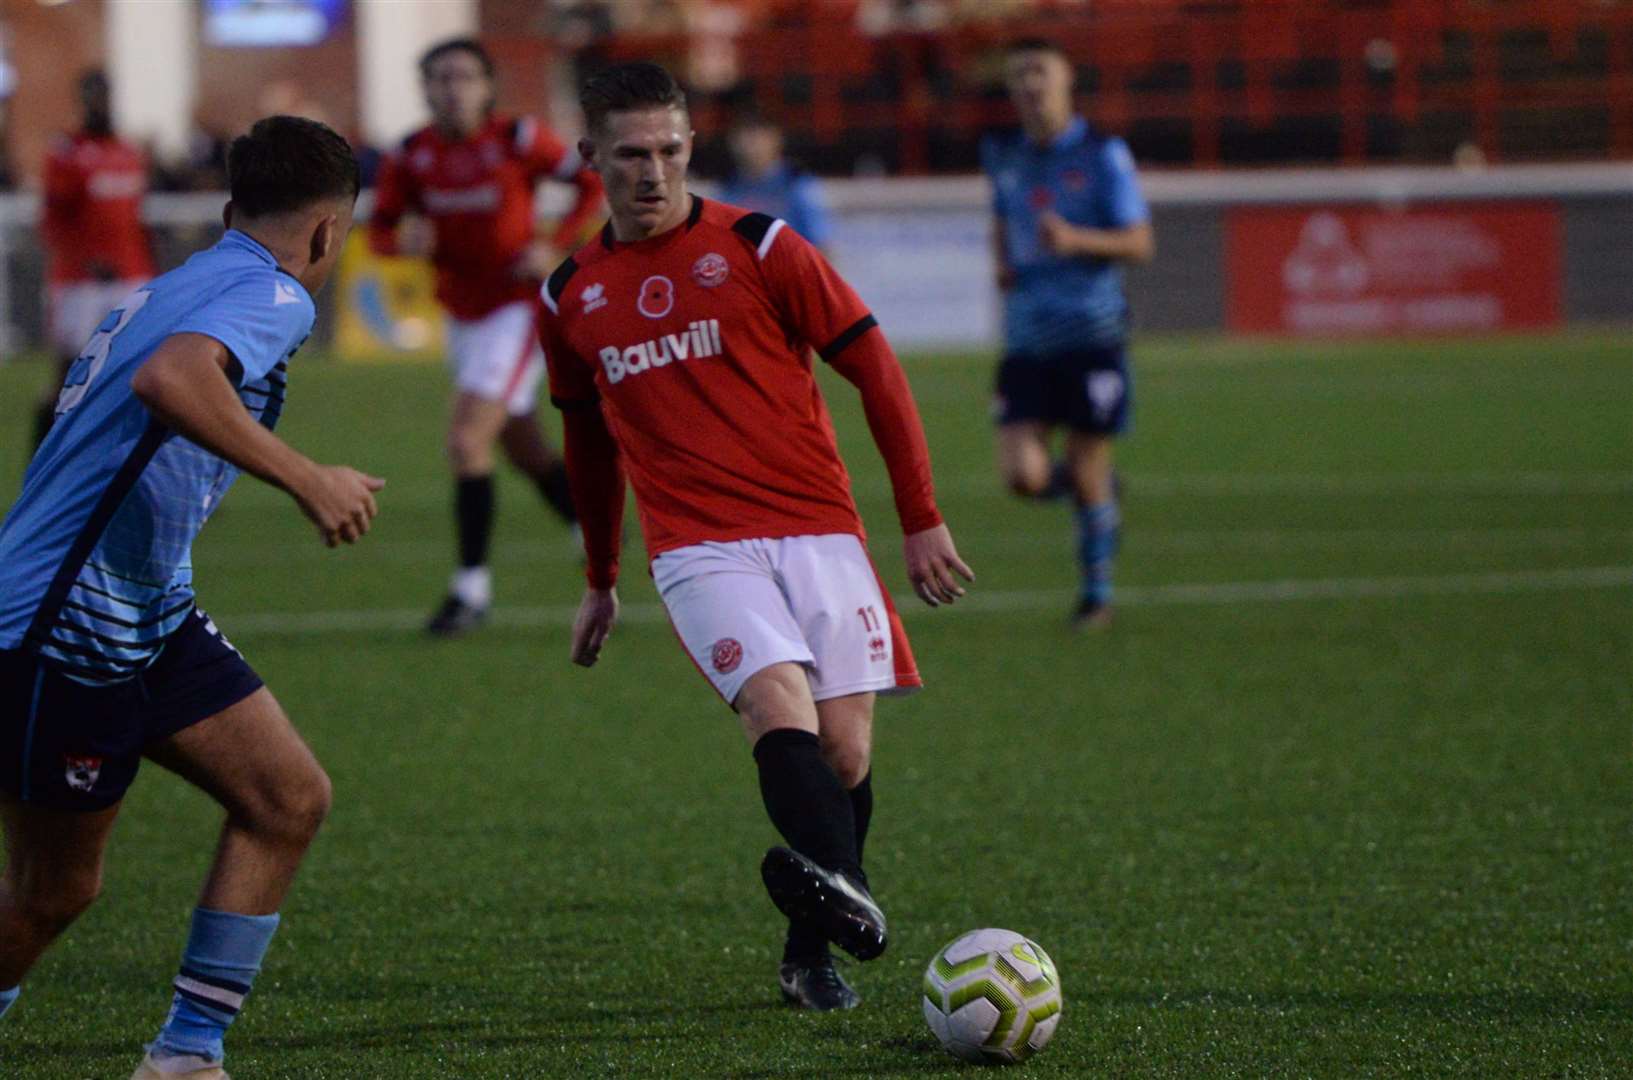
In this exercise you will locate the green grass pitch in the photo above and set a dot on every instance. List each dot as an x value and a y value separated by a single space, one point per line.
1345 792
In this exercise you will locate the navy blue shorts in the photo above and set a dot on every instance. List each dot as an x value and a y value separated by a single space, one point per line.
68 746
1087 390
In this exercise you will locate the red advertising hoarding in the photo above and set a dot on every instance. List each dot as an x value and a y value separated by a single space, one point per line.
1425 269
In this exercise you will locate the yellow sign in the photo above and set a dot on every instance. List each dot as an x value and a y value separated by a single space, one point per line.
388 308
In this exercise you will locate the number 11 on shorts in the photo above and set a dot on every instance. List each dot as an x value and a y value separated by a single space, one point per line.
870 618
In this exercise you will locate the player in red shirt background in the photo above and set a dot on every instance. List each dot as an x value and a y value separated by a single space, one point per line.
460 191
91 222
680 351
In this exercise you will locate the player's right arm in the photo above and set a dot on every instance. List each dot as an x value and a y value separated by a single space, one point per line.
595 474
184 384
63 182
392 231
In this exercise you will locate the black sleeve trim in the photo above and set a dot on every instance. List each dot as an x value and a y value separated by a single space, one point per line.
843 341
753 227
557 283
575 404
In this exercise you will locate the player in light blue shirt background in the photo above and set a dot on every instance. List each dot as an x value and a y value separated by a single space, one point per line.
763 179
1068 214
104 657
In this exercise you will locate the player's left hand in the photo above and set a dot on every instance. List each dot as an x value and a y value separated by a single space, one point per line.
1058 236
597 613
537 262
932 561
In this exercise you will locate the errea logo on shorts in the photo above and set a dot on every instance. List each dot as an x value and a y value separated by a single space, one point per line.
699 340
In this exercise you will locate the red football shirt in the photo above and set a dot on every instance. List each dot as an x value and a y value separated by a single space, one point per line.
697 345
478 194
92 222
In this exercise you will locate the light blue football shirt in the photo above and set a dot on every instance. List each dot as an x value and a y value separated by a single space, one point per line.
96 553
1062 304
784 192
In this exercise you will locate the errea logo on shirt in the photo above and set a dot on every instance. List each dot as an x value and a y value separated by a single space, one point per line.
283 294
594 296
699 340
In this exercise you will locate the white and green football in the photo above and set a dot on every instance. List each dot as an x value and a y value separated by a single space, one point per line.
992 995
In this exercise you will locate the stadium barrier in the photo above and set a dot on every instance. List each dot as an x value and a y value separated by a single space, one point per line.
1365 251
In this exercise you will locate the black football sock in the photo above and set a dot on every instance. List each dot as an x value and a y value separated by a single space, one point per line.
473 510
804 940
862 811
805 800
556 491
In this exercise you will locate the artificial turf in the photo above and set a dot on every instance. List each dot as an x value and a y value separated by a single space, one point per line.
1374 820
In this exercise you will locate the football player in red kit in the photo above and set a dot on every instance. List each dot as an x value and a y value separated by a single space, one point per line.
461 192
680 348
92 226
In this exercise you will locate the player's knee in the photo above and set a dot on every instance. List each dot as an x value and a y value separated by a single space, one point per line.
295 810
1026 484
850 764
469 449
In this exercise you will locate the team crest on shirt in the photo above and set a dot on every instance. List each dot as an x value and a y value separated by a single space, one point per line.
657 297
711 270
81 771
726 654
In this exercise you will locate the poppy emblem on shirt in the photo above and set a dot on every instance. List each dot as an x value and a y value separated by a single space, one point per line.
726 654
81 771
1041 198
711 270
657 297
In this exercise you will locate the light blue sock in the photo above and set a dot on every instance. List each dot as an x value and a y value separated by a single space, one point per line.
218 966
8 998
1097 538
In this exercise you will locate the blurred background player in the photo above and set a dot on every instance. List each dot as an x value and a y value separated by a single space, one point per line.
764 179
105 657
92 227
1068 215
468 180
680 345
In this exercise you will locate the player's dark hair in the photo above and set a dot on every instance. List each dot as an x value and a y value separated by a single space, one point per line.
287 163
1033 44
453 45
625 87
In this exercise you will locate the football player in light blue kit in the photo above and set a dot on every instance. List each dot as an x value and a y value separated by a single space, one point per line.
104 657
1068 214
763 179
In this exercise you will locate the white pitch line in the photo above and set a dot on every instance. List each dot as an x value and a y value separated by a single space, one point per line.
558 616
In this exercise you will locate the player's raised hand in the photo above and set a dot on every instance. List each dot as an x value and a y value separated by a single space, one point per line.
597 613
932 562
340 502
537 262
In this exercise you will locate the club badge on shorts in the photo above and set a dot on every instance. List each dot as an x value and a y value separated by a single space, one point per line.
81 771
726 654
711 270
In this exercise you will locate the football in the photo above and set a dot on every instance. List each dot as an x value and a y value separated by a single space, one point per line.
992 996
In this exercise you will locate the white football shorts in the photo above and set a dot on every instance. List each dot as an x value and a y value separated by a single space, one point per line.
497 357
740 606
76 308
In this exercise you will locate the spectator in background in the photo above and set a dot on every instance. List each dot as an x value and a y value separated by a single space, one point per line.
92 227
763 179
